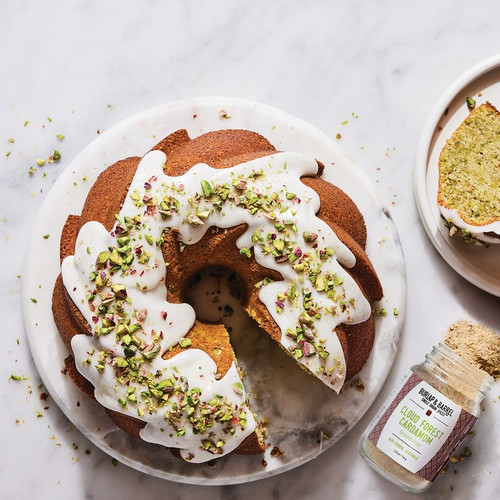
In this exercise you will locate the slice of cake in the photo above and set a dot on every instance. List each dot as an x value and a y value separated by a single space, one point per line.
469 177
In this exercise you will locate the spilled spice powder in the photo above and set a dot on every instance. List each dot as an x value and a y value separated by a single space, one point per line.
476 344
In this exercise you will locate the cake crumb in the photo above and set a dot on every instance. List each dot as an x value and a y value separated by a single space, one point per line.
477 344
276 452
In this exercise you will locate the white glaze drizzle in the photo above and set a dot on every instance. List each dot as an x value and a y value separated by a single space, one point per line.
452 215
277 178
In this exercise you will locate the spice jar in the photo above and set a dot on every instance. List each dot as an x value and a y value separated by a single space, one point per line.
424 419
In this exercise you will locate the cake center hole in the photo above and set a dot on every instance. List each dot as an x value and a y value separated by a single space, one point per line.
216 294
275 386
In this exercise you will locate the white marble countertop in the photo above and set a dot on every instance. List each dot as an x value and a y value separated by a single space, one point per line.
371 72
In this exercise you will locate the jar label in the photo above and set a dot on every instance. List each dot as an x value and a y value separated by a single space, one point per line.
421 428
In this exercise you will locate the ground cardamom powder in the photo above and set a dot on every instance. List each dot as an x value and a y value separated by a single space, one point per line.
477 344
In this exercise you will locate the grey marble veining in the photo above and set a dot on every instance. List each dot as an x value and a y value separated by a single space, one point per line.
368 71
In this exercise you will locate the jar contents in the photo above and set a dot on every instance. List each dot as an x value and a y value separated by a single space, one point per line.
429 413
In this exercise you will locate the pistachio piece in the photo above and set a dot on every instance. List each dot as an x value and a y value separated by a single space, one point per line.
238 388
309 237
151 351
203 215
279 244
166 386
471 103
308 349
194 220
121 362
185 343
120 291
299 267
102 258
207 188
246 252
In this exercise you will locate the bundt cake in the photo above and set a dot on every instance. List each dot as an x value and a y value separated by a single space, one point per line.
469 177
226 198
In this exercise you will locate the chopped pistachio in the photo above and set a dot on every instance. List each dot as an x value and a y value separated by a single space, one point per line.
151 351
185 342
246 252
121 362
238 388
120 291
123 240
203 214
323 354
194 220
471 103
55 156
132 398
207 188
309 237
279 244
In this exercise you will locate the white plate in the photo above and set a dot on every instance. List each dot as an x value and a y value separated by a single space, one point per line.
476 264
286 395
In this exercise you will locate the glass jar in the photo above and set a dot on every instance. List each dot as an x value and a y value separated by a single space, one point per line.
424 419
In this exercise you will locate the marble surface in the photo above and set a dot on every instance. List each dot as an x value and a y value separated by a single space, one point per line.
370 73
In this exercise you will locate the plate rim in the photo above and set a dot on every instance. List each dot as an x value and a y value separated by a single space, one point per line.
69 172
421 167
